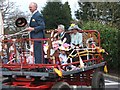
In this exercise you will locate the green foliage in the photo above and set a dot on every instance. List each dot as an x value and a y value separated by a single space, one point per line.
86 11
92 13
109 41
51 14
56 13
67 17
109 12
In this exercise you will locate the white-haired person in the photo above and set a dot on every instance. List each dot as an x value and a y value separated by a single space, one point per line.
63 40
62 35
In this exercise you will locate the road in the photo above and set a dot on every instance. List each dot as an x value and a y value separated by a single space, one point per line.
111 83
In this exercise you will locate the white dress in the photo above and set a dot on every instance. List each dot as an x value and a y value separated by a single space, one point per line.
63 58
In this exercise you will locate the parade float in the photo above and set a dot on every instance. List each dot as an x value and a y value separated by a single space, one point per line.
20 71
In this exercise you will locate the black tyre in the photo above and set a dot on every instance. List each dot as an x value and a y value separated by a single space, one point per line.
61 86
98 82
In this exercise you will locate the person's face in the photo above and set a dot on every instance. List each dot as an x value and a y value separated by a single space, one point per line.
75 31
62 51
59 30
32 7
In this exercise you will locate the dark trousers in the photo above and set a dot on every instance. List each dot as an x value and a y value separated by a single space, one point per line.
38 52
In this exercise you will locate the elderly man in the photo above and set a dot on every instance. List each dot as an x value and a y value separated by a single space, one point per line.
62 35
37 27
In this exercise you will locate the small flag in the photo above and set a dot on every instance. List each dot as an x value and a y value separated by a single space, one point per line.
105 69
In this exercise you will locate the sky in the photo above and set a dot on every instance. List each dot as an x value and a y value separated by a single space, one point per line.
24 4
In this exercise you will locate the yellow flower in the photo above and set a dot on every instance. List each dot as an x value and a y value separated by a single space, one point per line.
72 25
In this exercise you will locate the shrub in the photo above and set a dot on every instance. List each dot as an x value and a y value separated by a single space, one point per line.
109 41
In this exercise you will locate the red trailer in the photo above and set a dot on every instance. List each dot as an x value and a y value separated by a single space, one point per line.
53 75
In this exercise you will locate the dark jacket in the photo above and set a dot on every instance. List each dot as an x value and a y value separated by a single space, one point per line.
37 22
65 35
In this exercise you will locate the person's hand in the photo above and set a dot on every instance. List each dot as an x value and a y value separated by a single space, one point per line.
30 29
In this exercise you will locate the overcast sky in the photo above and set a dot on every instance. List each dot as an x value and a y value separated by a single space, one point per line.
24 4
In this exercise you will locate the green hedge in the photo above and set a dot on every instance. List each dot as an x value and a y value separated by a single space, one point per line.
109 41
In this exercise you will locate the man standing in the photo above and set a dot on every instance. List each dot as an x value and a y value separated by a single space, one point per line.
37 27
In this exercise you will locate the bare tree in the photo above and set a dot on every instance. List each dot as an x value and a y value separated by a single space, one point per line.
10 13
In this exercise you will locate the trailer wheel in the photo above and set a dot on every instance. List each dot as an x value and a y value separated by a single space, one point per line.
61 86
98 81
